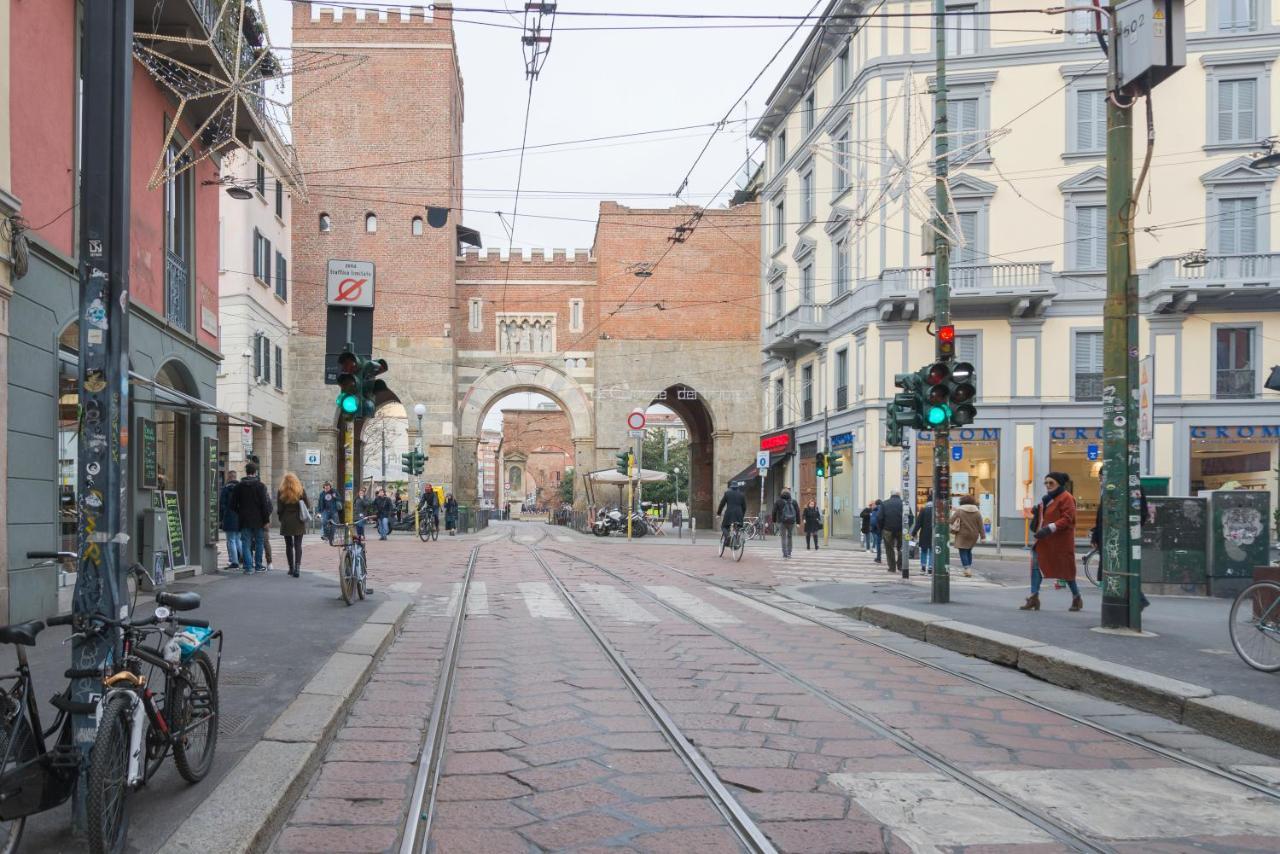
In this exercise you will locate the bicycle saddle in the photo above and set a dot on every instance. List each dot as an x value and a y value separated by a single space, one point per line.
23 633
179 601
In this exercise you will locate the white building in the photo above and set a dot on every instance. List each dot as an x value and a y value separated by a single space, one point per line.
255 315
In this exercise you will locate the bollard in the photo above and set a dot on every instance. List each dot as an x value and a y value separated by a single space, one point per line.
693 529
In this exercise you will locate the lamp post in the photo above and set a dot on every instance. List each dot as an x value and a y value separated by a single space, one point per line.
676 472
420 410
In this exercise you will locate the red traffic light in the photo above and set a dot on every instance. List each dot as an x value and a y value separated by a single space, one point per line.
937 373
947 334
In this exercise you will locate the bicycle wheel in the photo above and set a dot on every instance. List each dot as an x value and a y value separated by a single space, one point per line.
424 529
107 808
1090 562
1255 626
724 541
192 707
360 575
739 545
346 577
435 532
16 747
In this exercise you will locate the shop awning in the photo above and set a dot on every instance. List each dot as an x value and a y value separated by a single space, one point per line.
616 477
171 398
751 474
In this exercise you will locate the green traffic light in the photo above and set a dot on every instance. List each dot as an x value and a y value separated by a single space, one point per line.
937 415
348 403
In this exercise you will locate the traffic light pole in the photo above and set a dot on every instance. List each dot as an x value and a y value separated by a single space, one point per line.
941 590
1121 491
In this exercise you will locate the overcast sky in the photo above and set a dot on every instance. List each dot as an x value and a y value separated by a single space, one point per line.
597 83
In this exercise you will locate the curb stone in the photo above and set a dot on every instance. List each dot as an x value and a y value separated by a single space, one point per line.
1231 719
245 810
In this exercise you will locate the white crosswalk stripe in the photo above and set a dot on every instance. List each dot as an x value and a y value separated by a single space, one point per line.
478 600
614 603
748 602
685 601
541 602
846 567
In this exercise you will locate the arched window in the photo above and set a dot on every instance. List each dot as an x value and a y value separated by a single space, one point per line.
326 224
371 223
416 226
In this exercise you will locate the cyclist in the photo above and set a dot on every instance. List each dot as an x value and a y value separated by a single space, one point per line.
429 503
732 510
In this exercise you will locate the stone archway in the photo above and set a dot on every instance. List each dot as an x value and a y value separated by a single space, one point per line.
691 409
499 382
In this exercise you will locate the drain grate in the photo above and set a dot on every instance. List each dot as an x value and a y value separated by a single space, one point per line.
231 723
249 678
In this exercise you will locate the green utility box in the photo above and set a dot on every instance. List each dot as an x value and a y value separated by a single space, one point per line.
1175 545
1239 538
1155 486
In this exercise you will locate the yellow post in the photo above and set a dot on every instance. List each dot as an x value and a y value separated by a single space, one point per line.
348 479
631 468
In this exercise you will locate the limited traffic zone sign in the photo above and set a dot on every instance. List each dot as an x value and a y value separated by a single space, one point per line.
350 283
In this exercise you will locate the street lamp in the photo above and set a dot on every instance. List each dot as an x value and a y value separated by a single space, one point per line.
420 410
676 471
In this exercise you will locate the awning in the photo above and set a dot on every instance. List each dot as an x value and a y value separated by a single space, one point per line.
171 398
751 474
616 477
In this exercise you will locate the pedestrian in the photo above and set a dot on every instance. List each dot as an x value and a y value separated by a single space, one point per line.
363 508
891 531
450 514
230 522
293 510
328 505
1053 555
967 529
732 511
865 515
384 509
922 531
786 512
251 502
812 524
876 533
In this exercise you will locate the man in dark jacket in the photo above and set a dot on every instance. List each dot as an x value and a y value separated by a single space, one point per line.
732 510
429 504
328 505
786 511
922 531
384 508
230 521
251 503
891 530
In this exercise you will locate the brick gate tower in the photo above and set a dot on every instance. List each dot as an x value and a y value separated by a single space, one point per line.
379 142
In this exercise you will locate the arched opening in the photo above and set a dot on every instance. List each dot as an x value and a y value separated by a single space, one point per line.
415 226
525 460
326 223
371 223
177 445
679 440
384 437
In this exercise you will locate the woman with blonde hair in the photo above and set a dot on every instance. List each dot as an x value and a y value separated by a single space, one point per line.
293 510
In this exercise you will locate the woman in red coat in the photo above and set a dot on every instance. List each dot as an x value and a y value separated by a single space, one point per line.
1054 552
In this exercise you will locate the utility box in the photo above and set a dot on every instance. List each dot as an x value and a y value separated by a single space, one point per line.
1239 538
1175 546
1153 42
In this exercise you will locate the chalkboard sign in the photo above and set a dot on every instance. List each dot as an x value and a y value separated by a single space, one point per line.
149 470
211 491
173 523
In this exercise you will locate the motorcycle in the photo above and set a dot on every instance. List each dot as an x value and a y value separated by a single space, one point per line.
611 520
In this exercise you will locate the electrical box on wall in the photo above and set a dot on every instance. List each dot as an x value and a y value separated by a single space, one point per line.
1153 42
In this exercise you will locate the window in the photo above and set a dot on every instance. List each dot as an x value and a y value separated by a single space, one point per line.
808 114
806 391
279 368
279 199
962 124
1237 15
962 30
806 196
1091 237
1090 121
260 180
1234 362
779 301
1088 366
261 257
842 378
326 224
1237 111
262 359
967 348
842 73
257 355
475 317
415 226
840 162
841 266
780 150
575 315
178 221
806 283
371 223
778 416
1084 24
779 224
1238 226
282 277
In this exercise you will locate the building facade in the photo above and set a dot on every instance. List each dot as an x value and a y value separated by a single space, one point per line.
254 310
848 188
174 346
487 466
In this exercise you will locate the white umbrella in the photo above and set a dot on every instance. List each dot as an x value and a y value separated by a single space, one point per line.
616 477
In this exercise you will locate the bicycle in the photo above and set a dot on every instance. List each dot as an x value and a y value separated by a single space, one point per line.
1090 564
1255 626
754 528
734 540
353 580
428 527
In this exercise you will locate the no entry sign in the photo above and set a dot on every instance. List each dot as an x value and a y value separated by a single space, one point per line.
350 283
635 421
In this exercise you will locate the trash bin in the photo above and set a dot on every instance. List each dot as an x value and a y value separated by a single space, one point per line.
1239 538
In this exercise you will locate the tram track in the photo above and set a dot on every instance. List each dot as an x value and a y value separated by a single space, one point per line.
1160 750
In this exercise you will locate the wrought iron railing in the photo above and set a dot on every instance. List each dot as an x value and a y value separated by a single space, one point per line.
1235 384
842 397
177 287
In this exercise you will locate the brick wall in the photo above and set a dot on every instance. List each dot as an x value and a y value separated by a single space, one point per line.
539 434
536 282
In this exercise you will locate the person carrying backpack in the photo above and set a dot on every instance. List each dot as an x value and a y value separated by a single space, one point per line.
786 512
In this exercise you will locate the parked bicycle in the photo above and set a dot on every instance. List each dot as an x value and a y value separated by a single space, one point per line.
353 580
753 528
735 540
1255 625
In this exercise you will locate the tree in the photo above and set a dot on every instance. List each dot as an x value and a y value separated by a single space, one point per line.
677 457
566 488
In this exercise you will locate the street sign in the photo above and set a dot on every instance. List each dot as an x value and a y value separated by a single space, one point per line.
313 456
1092 452
763 472
762 460
1146 397
636 434
350 283
957 452
635 420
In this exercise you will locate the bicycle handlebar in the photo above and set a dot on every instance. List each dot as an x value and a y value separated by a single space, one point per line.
41 555
60 620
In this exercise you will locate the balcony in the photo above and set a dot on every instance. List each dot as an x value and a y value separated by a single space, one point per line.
1026 287
799 331
1245 281
1240 384
177 292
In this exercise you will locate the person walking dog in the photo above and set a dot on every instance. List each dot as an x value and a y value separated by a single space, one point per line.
1054 553
812 524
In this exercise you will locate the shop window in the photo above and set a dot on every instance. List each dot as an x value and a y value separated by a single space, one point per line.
806 391
1244 456
1077 452
842 378
1088 366
178 215
326 223
975 471
1234 371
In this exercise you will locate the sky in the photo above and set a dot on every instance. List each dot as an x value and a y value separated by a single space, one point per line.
598 83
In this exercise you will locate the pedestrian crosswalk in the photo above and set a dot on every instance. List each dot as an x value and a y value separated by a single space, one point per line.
843 566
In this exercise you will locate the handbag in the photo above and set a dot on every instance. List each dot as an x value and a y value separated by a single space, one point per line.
304 511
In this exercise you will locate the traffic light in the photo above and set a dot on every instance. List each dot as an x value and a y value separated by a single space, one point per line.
835 464
623 464
348 386
946 343
937 412
964 389
820 464
406 463
949 391
370 385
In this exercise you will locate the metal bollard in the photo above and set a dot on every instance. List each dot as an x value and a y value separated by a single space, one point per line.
693 529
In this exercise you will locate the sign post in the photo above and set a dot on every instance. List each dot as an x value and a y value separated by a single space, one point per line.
762 468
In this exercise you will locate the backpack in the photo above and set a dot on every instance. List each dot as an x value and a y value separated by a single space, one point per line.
788 512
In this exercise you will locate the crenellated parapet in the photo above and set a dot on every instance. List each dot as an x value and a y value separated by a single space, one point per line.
524 254
337 13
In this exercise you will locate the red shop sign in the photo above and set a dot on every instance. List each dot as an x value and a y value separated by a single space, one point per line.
776 443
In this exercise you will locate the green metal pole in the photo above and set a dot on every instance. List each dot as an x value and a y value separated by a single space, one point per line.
941 589
1120 485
